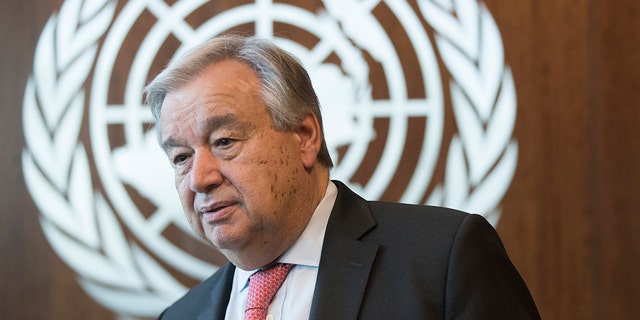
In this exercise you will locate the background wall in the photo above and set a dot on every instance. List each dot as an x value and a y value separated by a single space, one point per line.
570 218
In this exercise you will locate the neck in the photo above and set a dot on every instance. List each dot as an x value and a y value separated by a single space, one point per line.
268 246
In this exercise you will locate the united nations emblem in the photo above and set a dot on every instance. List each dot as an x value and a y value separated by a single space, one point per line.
419 107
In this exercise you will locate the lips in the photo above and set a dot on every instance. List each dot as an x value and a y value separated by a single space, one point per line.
216 212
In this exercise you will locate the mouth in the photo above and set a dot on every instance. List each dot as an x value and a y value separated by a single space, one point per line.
216 212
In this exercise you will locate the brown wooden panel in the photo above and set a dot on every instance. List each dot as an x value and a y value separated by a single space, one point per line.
615 99
576 242
545 226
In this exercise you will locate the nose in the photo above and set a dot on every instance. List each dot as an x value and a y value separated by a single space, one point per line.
205 171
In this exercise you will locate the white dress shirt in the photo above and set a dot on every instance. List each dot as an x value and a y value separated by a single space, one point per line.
293 300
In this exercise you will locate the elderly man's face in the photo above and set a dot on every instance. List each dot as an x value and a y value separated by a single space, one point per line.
241 183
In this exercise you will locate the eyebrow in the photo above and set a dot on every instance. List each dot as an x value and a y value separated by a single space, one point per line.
212 123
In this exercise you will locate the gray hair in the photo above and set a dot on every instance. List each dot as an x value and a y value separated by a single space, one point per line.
286 87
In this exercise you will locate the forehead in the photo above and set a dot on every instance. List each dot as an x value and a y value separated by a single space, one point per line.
227 74
225 82
226 87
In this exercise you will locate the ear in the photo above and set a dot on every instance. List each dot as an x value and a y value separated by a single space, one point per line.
310 137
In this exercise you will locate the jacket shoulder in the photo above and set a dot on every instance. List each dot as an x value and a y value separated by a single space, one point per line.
213 291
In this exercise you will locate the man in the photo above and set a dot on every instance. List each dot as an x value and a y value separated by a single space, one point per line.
241 125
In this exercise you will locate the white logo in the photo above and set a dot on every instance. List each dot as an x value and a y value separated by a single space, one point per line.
105 190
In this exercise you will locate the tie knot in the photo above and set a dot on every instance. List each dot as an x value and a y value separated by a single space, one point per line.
263 285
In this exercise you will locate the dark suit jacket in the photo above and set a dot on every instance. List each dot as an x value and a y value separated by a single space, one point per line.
395 261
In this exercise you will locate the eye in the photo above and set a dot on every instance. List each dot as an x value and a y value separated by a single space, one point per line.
226 148
223 142
181 158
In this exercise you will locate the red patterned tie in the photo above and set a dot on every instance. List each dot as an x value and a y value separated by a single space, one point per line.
263 285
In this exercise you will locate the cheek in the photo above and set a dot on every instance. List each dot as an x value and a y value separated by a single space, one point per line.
187 198
184 192
180 178
197 227
267 170
284 176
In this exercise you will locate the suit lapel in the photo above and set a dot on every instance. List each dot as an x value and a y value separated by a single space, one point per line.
220 294
346 262
344 269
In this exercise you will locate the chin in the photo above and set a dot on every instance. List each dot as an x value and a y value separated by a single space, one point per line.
227 243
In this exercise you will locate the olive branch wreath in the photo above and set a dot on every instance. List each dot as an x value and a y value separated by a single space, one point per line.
84 231
482 157
80 225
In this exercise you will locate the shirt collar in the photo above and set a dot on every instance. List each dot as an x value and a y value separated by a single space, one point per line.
306 250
